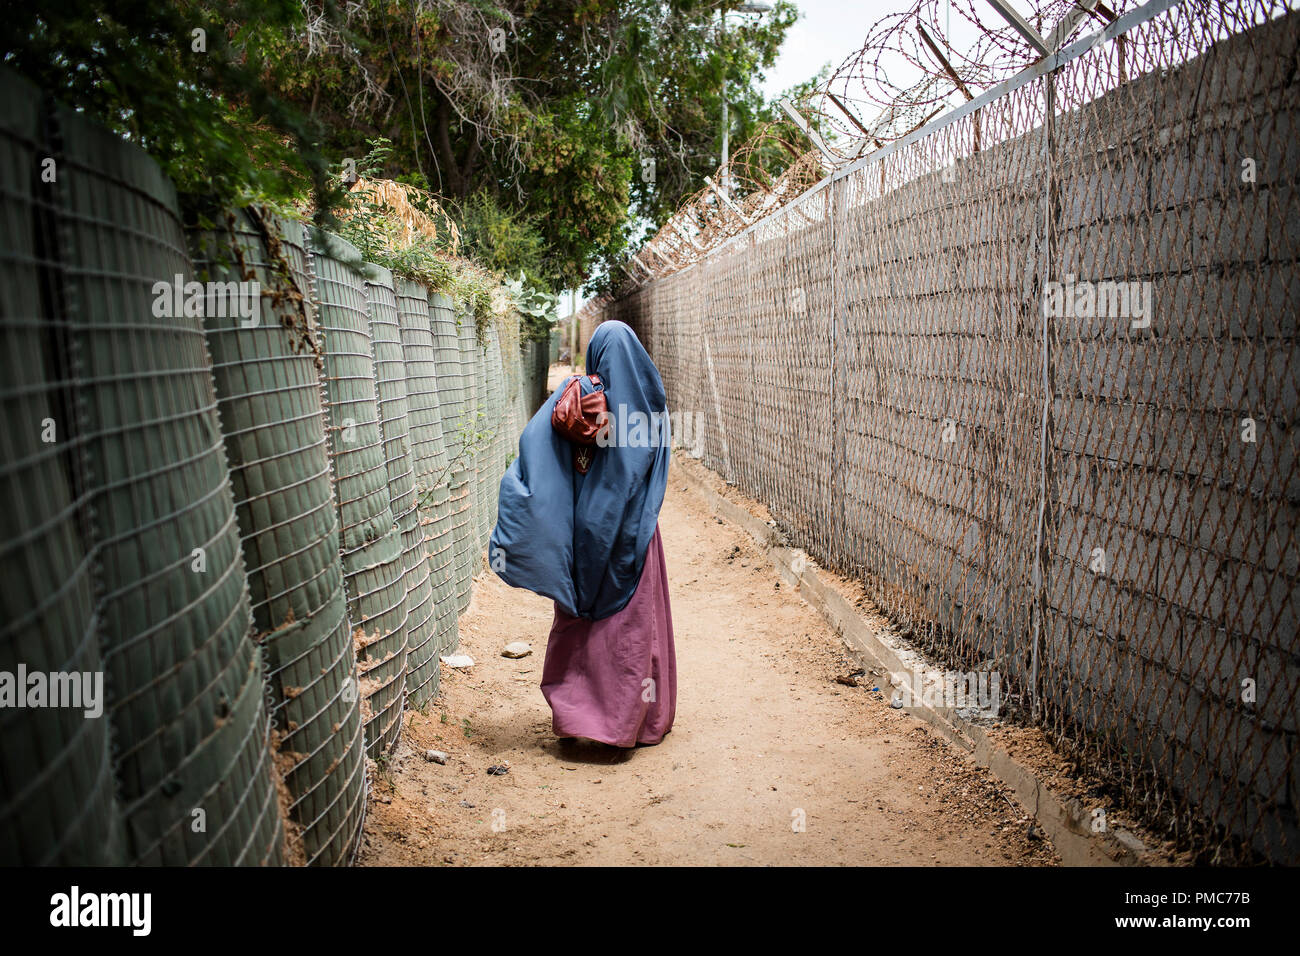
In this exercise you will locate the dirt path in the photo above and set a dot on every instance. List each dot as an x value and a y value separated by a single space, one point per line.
764 737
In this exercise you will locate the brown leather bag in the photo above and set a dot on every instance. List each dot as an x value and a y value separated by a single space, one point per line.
581 418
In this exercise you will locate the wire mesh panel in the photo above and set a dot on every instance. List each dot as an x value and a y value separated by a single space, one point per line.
432 484
466 529
529 350
390 378
444 317
536 365
482 392
512 371
1031 375
511 416
493 404
57 801
212 482
266 353
371 541
186 683
451 402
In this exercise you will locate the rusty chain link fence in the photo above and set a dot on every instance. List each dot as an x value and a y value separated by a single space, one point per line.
1029 372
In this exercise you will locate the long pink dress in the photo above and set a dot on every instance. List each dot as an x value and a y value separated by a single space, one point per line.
615 680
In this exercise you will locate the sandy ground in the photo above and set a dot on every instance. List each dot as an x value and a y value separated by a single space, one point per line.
771 761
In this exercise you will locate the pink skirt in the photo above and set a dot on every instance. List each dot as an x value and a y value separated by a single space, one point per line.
615 680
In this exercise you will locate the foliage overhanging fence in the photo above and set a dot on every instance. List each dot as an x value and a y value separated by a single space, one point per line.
242 522
1101 500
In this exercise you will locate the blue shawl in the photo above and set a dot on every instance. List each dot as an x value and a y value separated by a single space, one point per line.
581 539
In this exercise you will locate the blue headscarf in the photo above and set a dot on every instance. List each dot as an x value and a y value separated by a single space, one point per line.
581 539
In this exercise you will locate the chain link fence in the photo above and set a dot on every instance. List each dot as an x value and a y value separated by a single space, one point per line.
1030 373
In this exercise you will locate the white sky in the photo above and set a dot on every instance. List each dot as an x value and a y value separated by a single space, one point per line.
829 30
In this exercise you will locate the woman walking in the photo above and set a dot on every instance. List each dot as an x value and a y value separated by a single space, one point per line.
577 522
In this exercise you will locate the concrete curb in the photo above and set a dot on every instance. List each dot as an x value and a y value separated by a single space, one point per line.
1065 822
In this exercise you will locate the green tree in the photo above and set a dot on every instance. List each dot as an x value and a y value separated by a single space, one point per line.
193 83
548 107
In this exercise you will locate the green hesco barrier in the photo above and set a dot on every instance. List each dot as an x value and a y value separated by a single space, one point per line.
371 542
494 402
511 417
394 410
538 374
489 390
433 492
528 375
521 394
509 357
466 543
461 498
483 448
442 321
542 372
535 361
57 803
272 414
512 359
186 684
443 316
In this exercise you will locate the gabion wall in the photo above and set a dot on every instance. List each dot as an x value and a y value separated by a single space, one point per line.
243 470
